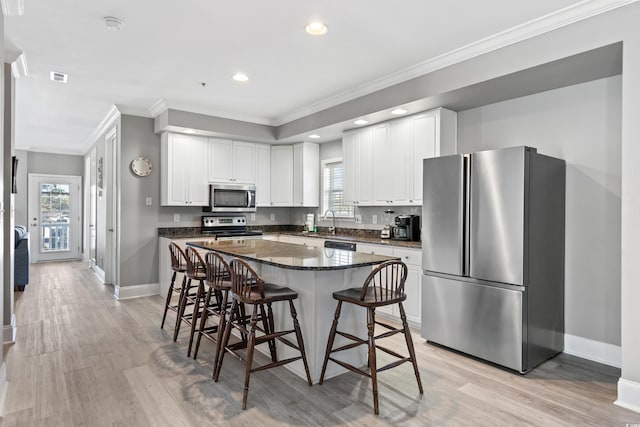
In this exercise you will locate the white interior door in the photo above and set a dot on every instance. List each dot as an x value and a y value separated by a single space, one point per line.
54 217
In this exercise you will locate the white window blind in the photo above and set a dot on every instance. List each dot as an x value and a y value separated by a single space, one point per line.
333 190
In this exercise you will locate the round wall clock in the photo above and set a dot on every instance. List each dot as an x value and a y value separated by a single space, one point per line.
141 166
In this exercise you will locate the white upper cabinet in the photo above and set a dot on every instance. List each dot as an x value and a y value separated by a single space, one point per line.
282 175
306 174
383 162
184 163
232 161
263 175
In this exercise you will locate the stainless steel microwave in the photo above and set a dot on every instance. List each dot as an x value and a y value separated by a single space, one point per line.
224 197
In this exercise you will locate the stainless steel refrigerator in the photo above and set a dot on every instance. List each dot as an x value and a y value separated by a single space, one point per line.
493 255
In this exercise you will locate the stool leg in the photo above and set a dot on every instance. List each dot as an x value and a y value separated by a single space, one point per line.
203 321
250 346
186 283
332 336
169 295
371 323
269 329
296 326
221 323
409 340
195 315
225 340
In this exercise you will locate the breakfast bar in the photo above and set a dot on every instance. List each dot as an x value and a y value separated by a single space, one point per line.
315 273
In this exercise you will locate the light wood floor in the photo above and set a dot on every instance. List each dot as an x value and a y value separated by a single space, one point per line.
83 358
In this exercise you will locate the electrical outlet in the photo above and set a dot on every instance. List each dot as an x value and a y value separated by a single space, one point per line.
358 219
148 201
273 217
374 219
176 217
253 217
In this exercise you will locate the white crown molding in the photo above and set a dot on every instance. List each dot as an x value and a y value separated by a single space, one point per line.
12 7
19 67
163 105
109 119
158 108
134 111
544 24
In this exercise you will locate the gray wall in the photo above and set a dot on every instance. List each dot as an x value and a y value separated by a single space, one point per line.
581 124
45 163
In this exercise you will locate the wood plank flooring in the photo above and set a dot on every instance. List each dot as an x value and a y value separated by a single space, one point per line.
83 358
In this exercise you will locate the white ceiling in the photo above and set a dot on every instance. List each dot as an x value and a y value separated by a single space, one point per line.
167 48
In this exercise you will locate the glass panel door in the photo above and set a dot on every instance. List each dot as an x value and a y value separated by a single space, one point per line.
54 217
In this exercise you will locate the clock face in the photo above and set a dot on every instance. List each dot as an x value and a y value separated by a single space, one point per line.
141 166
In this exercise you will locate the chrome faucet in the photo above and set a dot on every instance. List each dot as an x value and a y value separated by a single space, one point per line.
332 230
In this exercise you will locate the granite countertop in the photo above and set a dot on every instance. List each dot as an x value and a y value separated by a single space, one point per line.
350 235
289 255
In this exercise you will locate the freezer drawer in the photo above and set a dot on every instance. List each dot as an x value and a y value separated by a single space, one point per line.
480 320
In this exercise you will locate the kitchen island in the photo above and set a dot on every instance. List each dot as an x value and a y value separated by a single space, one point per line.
315 273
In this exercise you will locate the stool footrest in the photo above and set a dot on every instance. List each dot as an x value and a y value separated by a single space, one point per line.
351 337
275 364
394 364
389 333
350 367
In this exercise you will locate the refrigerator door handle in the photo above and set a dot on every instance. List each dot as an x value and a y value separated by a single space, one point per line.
466 215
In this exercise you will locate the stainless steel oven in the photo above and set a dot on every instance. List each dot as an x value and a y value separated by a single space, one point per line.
232 198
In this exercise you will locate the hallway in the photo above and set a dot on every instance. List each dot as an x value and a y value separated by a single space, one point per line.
83 358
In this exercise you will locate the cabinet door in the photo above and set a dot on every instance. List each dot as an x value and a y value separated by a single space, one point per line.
263 175
243 162
221 162
424 147
382 173
198 170
306 174
413 289
349 163
178 156
400 157
366 169
282 176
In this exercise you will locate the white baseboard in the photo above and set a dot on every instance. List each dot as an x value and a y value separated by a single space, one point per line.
3 386
597 351
136 291
9 331
628 395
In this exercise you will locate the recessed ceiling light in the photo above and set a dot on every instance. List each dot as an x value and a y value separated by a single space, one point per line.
398 111
316 28
240 77
314 136
57 76
360 122
113 23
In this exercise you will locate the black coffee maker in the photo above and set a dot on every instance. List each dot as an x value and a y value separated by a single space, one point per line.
407 227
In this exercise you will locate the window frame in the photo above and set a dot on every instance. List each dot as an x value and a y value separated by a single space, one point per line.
325 200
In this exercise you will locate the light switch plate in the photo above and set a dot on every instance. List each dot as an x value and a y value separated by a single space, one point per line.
148 201
273 217
253 217
374 219
358 219
176 217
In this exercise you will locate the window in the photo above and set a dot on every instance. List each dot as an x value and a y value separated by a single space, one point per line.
333 188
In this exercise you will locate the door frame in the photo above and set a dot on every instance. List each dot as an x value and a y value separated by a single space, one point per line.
74 213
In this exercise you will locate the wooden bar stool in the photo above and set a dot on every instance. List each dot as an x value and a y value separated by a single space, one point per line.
178 265
248 288
192 295
384 286
218 284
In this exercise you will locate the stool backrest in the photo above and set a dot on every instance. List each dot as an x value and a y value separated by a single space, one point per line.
218 271
178 258
195 264
386 281
245 281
